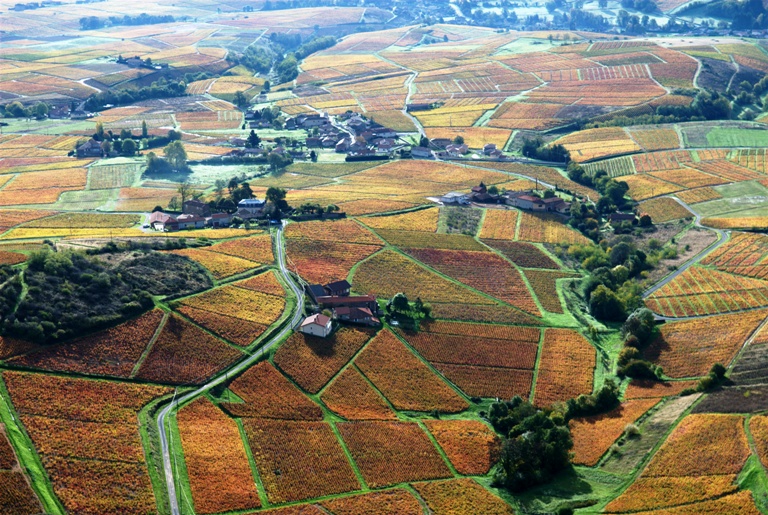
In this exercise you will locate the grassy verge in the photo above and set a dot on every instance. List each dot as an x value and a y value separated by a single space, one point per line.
28 458
151 443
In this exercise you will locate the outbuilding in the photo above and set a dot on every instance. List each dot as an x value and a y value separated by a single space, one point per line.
316 325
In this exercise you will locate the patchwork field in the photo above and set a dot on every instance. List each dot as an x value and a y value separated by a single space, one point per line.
411 412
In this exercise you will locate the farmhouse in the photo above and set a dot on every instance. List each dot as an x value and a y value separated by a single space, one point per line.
441 143
195 207
480 194
160 221
533 203
343 145
91 148
338 288
219 220
455 197
315 291
489 148
422 153
190 222
457 150
316 325
363 301
252 206
622 217
356 316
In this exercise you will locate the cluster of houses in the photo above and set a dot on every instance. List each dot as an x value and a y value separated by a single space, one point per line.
444 148
335 297
198 215
527 200
255 152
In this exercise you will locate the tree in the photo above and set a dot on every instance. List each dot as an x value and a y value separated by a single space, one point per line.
185 191
129 147
40 110
219 185
493 190
399 303
332 208
646 221
275 194
106 147
174 135
620 253
240 100
276 161
16 110
144 129
253 139
176 155
458 140
173 204
242 193
640 324
605 305
99 131
313 156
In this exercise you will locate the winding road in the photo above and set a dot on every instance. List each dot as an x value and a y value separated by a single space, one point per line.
170 481
722 237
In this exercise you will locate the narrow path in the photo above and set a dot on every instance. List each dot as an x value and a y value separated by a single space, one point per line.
722 238
409 88
170 480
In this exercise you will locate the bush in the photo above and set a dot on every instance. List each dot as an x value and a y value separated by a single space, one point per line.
605 399
631 431
640 369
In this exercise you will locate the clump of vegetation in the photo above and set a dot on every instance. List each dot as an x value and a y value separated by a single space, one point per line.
68 293
408 313
536 149
638 331
611 289
536 445
605 399
712 381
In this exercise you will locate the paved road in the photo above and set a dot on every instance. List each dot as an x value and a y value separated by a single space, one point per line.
170 481
722 237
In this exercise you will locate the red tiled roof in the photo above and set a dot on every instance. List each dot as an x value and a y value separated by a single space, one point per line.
317 319
346 300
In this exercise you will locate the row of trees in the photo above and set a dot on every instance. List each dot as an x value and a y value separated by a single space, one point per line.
158 89
94 22
16 109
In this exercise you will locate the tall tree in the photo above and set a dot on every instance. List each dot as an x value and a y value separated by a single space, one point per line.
185 191
176 155
253 139
240 100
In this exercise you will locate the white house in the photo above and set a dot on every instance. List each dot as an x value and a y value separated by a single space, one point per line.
316 325
455 197
253 206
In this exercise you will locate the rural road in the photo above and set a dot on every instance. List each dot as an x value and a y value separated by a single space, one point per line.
722 237
236 369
